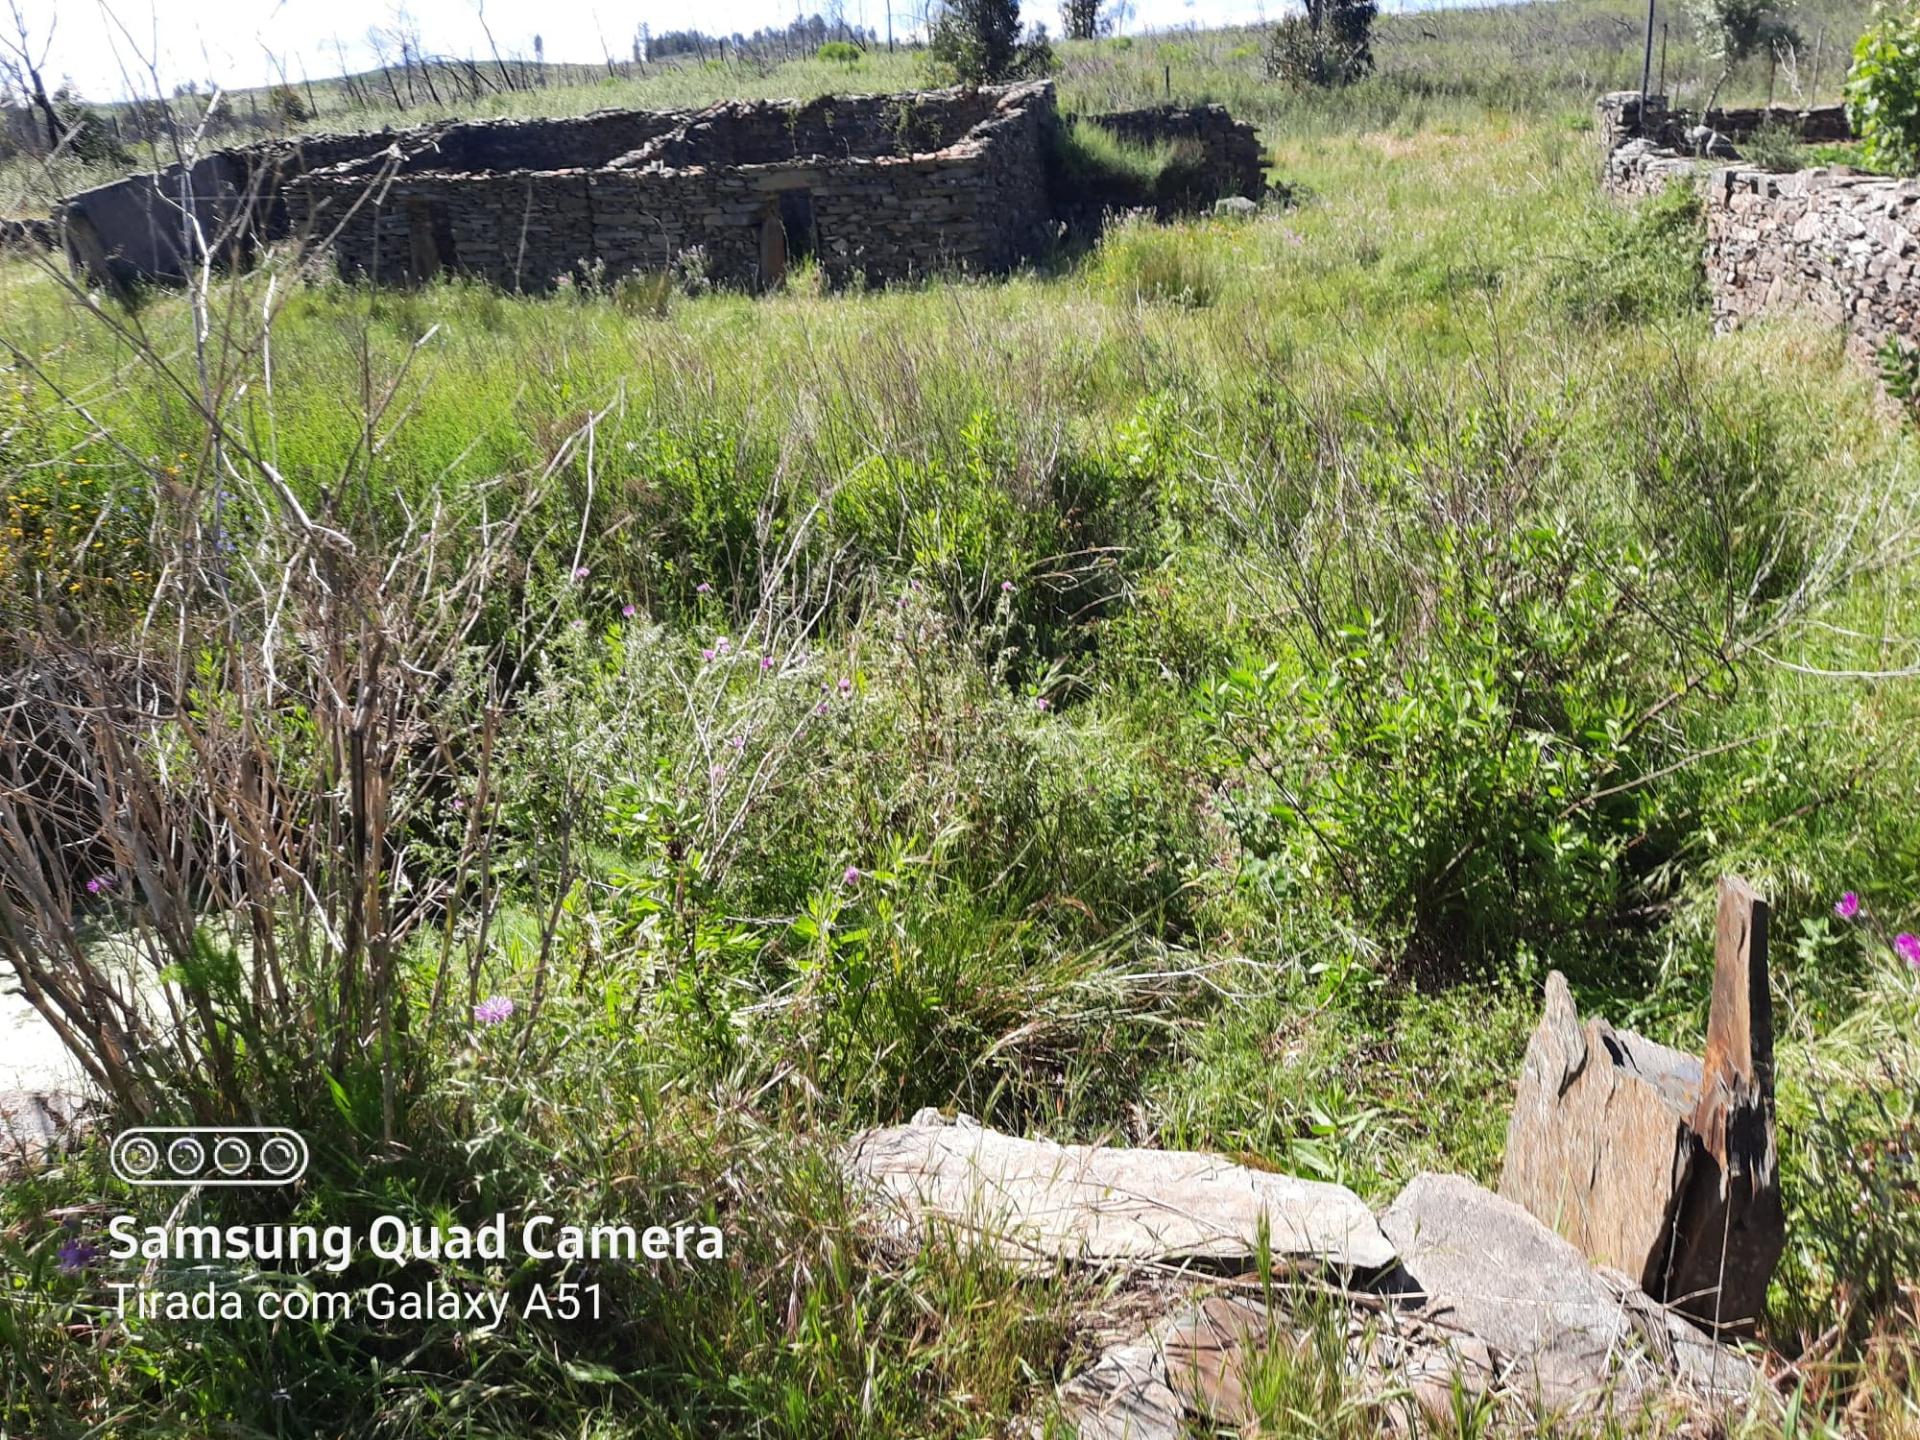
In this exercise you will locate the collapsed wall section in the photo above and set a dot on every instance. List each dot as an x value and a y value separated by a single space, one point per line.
158 225
1618 117
1231 160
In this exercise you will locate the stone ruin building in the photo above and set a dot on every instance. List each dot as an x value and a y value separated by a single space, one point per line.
877 187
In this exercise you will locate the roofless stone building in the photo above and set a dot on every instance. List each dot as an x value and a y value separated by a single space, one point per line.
881 187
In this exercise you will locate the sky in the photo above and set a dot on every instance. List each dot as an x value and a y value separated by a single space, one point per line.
96 45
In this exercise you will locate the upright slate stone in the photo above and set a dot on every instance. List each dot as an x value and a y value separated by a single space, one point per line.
1649 1160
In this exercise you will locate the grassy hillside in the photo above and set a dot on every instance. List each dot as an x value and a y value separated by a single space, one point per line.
1189 695
1526 56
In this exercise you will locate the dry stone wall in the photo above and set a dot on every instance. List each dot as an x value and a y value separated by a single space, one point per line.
1617 116
1234 163
744 186
884 187
1828 242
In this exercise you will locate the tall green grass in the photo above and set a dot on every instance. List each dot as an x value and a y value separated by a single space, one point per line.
1167 710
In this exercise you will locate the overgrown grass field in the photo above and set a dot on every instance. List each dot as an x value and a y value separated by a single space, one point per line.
1187 695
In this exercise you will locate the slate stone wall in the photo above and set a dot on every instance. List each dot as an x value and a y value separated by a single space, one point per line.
1235 163
977 203
134 229
1836 244
1618 119
885 187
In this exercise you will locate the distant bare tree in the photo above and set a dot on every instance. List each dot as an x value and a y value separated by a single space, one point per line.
23 71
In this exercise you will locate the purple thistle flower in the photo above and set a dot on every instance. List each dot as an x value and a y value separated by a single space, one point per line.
493 1010
1848 906
1908 947
459 803
821 708
627 612
766 662
739 742
581 572
703 588
1040 702
846 686
850 876
723 646
77 1255
706 654
1006 587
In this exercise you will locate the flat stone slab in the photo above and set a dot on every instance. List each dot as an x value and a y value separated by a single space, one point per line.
1579 1339
1040 1202
36 1123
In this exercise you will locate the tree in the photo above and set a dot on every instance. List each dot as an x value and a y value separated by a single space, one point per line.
1080 19
978 42
1731 31
1330 45
1350 23
23 70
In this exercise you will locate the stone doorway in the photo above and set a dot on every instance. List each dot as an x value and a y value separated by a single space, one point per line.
786 235
796 218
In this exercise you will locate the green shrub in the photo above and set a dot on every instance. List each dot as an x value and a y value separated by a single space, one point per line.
1883 89
1774 146
1450 791
1627 266
841 52
1305 56
978 42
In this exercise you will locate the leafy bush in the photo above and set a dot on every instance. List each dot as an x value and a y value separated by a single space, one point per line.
1774 146
89 136
287 106
1460 805
841 52
1883 89
1628 266
1330 45
1304 55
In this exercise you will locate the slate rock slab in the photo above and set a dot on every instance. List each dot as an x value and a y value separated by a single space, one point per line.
34 1123
1653 1161
1124 1395
1040 1202
1579 1339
